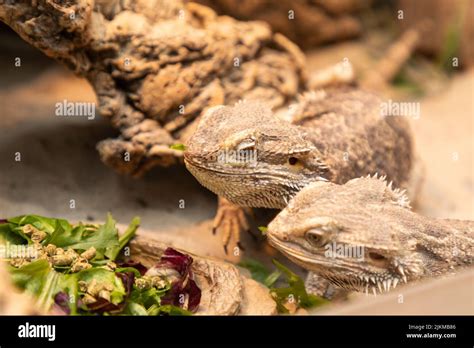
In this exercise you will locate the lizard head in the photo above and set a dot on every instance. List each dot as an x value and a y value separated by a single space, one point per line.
355 235
251 157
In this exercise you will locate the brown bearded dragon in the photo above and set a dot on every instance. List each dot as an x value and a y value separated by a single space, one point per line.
253 157
363 236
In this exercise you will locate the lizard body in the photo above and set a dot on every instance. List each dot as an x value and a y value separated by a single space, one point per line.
334 135
367 215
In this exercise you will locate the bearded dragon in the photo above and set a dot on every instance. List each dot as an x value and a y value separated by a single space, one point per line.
362 236
254 157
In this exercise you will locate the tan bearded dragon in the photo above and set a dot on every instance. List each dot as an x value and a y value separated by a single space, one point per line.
383 242
253 157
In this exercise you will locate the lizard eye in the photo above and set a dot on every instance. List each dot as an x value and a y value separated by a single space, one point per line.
292 160
315 238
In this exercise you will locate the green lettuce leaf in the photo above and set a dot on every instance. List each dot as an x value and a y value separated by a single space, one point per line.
179 147
167 309
82 237
134 308
8 235
104 238
113 251
38 279
42 223
104 276
148 297
295 290
260 272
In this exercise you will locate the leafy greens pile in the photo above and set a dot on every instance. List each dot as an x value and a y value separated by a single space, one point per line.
76 269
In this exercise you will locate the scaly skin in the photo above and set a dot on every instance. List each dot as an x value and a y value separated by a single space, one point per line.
395 244
336 135
332 135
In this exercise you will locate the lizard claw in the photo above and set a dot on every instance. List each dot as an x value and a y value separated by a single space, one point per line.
230 220
240 246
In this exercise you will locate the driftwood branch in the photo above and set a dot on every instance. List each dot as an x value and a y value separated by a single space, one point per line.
155 65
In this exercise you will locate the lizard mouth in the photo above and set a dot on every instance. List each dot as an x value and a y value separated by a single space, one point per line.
229 171
246 186
281 175
203 167
294 252
314 263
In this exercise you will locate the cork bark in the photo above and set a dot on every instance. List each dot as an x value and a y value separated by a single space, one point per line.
155 65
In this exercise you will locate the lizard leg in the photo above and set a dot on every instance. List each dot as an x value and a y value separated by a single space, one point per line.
230 220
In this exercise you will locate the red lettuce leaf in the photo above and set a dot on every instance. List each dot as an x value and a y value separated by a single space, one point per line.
128 278
178 261
194 294
61 302
185 285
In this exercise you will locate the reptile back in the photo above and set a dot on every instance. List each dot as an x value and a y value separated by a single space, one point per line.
356 139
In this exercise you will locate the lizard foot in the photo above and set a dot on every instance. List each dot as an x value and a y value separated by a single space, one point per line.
230 220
